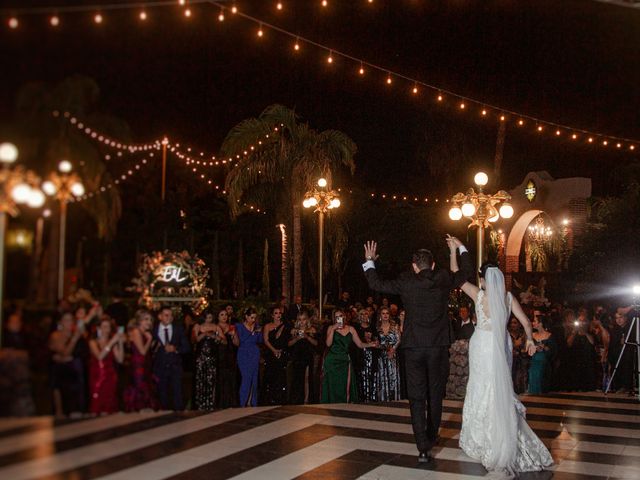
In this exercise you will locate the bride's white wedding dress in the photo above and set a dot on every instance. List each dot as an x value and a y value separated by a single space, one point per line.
494 428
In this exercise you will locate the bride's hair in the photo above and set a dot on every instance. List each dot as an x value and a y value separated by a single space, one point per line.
484 266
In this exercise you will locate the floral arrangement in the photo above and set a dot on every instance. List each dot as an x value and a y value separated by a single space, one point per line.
172 277
534 295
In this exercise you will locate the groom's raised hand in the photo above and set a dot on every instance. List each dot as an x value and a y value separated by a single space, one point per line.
370 251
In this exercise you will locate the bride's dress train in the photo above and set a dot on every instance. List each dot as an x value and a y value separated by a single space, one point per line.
501 440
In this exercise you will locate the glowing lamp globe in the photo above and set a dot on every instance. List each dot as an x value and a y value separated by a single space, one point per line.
77 189
313 201
65 166
335 203
322 182
506 210
495 217
46 213
481 179
468 209
455 213
21 193
8 152
36 198
49 188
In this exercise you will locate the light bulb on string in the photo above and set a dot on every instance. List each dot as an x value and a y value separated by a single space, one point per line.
296 46
324 3
330 57
415 89
221 16
539 128
484 112
439 98
389 80
574 136
13 23
187 13
97 18
502 118
558 133
234 9
54 21
462 106
520 122
361 71
143 15
260 32
279 6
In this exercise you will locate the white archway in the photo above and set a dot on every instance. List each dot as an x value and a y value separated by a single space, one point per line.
516 235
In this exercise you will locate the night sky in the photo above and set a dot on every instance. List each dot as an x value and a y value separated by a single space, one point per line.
573 62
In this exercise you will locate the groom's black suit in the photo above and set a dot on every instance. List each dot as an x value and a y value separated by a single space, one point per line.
425 340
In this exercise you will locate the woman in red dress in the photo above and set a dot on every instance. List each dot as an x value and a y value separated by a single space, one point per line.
140 395
106 349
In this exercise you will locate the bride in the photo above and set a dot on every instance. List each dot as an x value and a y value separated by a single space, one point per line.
494 428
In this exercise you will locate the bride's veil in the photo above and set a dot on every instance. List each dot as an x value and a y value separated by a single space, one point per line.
504 421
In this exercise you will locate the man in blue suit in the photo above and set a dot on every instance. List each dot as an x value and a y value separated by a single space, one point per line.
171 342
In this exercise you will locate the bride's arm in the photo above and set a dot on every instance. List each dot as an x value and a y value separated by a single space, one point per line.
526 324
467 287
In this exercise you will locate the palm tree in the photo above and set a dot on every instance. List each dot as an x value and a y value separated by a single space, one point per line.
283 167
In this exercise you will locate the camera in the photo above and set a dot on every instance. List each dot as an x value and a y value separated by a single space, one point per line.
339 322
301 333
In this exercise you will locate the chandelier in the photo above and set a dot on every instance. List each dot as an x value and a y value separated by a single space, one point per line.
540 233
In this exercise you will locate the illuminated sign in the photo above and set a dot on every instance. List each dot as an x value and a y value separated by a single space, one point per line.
171 273
530 190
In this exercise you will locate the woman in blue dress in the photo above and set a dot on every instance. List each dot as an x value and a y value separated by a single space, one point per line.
539 366
247 336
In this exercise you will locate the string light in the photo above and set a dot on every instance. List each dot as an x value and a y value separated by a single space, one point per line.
296 46
415 89
539 124
221 16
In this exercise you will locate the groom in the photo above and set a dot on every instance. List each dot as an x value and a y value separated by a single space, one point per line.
425 339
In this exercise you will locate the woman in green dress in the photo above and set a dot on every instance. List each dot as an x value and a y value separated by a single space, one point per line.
338 380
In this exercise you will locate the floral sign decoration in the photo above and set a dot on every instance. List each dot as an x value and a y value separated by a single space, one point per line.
172 277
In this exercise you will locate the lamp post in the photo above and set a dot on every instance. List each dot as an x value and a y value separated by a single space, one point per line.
322 200
17 186
481 208
65 186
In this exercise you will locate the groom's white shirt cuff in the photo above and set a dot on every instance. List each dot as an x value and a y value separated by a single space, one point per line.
370 263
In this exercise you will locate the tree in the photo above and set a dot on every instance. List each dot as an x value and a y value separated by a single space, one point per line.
283 167
45 140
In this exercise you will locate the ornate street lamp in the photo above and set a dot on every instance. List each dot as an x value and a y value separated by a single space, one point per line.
17 186
65 186
481 208
322 200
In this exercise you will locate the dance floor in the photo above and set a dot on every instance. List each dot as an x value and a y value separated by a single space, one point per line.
590 437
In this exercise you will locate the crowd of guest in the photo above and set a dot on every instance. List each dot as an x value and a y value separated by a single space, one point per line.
100 361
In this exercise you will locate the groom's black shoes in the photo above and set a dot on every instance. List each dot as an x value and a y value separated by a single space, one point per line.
425 457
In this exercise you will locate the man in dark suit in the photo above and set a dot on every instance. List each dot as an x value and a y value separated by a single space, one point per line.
294 310
425 339
170 344
463 327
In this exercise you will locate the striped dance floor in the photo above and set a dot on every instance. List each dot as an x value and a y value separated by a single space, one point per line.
590 437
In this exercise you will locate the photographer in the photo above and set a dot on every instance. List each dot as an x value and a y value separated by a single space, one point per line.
581 351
